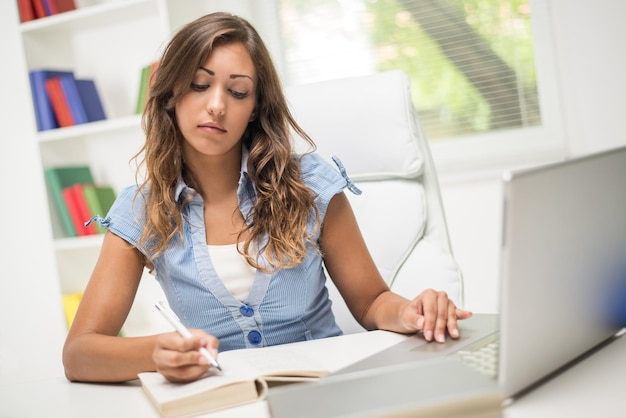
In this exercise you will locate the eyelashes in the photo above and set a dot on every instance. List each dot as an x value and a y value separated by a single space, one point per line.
199 87
203 87
238 94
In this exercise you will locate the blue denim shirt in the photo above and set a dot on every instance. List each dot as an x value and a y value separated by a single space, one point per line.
286 306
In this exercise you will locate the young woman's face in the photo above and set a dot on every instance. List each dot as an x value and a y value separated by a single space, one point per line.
214 113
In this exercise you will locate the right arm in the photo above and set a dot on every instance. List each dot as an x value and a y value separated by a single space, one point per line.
93 350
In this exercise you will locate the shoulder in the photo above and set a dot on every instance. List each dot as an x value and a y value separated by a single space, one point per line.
318 174
127 199
127 214
323 179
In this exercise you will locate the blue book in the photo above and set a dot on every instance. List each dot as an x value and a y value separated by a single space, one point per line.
47 7
91 100
43 108
70 91
83 99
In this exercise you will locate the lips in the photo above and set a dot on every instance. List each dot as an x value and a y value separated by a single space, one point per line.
212 127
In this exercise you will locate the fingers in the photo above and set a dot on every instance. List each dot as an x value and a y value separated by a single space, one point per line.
439 316
454 314
178 358
435 308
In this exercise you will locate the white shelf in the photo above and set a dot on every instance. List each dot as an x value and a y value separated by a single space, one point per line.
105 14
78 243
107 126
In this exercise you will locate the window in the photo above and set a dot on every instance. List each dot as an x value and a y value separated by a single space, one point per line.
471 62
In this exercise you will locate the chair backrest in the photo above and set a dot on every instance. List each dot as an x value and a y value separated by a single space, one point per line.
369 122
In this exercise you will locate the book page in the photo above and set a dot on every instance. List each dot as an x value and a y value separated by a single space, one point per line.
270 361
165 391
243 379
243 365
212 392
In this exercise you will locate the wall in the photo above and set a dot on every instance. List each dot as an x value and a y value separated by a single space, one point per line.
32 326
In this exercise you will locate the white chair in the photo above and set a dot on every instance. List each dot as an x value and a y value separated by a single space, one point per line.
369 122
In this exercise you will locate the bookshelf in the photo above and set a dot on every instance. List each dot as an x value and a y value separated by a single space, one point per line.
108 41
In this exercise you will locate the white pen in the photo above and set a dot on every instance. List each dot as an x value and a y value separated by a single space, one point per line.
182 330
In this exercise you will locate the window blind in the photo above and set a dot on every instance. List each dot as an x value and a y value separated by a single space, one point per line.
471 62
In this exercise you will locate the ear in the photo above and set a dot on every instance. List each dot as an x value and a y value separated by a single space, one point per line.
252 116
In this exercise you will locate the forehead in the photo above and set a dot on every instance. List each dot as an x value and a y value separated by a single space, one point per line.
230 58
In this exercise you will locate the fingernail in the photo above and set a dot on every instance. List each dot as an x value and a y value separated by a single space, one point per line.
420 322
203 360
441 338
454 332
428 335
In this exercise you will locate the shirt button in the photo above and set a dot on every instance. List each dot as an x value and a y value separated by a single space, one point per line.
254 337
246 311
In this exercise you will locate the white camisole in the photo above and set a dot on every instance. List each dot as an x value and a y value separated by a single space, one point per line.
232 268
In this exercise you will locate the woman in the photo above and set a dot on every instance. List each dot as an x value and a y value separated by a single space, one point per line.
234 225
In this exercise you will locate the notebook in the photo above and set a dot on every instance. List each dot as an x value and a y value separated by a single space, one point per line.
564 234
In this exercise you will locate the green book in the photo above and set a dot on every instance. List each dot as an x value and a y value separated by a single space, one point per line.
59 178
99 199
143 89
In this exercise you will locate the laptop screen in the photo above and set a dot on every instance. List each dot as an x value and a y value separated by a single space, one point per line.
564 239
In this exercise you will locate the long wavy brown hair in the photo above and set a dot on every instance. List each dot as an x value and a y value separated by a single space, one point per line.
278 222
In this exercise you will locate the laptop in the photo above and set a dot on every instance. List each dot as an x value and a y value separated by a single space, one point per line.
564 234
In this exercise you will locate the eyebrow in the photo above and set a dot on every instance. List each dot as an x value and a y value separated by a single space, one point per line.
232 76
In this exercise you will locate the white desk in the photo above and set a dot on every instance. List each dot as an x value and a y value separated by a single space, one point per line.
593 387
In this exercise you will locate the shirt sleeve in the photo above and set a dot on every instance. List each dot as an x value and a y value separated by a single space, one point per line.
127 215
324 180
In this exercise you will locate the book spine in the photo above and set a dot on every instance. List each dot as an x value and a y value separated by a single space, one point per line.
61 6
83 209
58 101
41 102
95 207
78 209
90 100
143 86
56 190
27 13
70 91
145 83
70 306
39 8
47 7
151 74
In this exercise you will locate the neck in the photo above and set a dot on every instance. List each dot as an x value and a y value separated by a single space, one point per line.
216 177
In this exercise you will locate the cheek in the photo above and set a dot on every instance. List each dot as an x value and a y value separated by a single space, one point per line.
251 112
182 111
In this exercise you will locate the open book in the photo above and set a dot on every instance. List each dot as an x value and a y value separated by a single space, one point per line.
246 376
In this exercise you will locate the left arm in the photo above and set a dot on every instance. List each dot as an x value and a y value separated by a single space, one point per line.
368 297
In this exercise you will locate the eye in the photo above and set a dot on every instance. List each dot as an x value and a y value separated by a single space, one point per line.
238 94
199 87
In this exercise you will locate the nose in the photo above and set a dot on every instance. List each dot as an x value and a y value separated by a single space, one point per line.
215 102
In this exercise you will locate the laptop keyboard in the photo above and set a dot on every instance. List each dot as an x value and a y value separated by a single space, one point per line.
481 356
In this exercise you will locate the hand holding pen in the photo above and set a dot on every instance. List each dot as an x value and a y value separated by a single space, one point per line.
183 331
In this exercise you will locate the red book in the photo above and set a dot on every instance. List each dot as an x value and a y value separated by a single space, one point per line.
60 6
27 13
59 103
39 8
79 209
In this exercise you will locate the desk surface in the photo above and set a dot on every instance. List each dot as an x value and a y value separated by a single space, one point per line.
593 387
